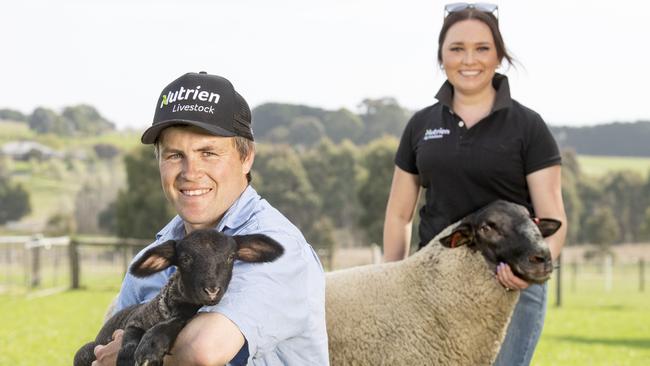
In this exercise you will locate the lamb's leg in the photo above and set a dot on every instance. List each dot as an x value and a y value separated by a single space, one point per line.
157 342
130 340
86 355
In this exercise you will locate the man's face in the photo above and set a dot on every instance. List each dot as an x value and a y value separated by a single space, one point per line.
202 175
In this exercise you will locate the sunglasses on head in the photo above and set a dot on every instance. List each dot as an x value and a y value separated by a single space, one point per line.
484 7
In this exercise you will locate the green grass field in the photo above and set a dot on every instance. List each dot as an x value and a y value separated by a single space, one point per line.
593 327
600 165
597 327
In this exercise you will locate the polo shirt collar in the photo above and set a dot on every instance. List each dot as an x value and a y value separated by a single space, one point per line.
500 82
237 215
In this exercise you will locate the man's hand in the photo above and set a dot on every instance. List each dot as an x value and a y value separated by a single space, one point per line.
508 279
107 355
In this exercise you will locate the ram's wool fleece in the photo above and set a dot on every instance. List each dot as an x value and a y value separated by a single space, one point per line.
438 307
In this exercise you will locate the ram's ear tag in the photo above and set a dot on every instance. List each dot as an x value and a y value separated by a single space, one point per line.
456 239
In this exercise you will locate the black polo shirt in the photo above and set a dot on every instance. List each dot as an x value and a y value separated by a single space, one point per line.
464 169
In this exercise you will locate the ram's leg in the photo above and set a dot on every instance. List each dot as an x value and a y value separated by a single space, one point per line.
157 342
132 336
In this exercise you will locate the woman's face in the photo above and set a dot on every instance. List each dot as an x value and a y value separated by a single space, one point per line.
469 57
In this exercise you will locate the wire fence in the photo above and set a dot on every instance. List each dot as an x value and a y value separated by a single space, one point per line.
32 263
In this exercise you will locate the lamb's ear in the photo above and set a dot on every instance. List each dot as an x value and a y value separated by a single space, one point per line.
547 227
155 259
463 234
257 248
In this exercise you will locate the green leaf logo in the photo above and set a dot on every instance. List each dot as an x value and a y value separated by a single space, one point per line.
164 101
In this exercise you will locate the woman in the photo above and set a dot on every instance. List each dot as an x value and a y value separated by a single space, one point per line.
474 146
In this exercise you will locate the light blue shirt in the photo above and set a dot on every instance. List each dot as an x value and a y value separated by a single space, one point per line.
279 307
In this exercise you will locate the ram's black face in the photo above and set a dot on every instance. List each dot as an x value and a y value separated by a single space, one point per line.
504 232
205 261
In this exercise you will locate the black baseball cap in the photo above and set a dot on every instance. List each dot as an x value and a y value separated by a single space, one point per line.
206 101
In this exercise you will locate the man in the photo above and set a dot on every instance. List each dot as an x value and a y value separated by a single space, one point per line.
273 313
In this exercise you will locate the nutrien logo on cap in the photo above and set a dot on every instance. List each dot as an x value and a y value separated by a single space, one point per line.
190 94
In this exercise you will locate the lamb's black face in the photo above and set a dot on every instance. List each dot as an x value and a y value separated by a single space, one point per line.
205 260
504 232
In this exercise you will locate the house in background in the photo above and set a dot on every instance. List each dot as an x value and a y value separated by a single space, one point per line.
26 150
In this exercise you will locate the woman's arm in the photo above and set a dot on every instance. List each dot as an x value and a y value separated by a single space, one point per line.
545 187
403 197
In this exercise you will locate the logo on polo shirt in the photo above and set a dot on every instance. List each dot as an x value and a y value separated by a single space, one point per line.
183 94
437 133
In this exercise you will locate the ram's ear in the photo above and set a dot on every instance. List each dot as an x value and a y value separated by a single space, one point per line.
155 259
463 234
257 248
547 227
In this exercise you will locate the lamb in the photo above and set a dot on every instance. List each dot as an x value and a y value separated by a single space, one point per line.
443 305
204 261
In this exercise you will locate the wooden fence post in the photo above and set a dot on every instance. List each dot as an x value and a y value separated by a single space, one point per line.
558 287
73 255
641 275
35 271
376 253
607 269
574 277
125 259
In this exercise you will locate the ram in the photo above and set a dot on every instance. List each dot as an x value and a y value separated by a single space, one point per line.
442 305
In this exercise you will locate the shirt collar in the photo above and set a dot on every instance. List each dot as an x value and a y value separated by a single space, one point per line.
500 82
240 212
237 215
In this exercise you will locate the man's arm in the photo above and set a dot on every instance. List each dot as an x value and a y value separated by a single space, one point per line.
208 339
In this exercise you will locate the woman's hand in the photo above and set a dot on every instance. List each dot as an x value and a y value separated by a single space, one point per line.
508 279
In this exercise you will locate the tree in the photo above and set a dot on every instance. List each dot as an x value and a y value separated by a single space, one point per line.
14 201
645 227
591 196
332 172
278 135
141 209
5 163
381 117
378 162
87 120
282 180
12 115
321 236
268 116
305 131
622 192
343 124
91 201
572 203
44 120
602 228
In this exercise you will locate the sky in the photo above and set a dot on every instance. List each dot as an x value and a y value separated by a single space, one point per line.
579 62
